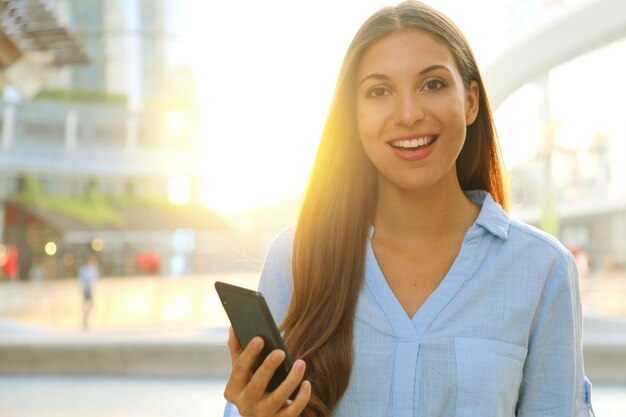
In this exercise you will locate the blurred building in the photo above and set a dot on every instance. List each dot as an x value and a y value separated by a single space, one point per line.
133 45
31 43
574 186
589 197
100 116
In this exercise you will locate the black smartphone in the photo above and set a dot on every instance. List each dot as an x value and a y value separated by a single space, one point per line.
249 315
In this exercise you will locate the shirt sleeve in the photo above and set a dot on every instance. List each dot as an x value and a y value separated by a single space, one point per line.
231 411
275 284
554 384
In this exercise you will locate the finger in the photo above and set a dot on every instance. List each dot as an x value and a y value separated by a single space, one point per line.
242 367
233 345
264 373
282 393
299 403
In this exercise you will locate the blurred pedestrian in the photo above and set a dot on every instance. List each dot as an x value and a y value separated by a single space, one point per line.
88 273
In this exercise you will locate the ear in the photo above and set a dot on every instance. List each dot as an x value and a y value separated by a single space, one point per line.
472 97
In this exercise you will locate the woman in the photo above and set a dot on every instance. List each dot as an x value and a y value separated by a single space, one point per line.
405 288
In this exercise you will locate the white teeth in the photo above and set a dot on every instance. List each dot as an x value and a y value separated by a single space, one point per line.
412 143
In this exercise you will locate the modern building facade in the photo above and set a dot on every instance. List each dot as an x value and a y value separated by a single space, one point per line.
122 125
133 46
128 110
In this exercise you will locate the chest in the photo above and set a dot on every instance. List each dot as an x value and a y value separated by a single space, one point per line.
430 364
413 274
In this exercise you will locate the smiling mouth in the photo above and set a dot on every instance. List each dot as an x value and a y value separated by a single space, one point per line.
413 144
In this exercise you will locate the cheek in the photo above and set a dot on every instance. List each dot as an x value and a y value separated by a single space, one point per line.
364 127
453 115
366 143
370 121
367 139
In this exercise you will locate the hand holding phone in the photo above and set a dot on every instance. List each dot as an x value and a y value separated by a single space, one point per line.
250 317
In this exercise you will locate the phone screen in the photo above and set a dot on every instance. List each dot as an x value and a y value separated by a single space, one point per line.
249 315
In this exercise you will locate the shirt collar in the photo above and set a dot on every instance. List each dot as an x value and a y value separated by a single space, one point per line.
492 216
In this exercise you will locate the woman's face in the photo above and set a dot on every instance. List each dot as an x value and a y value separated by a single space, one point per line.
412 110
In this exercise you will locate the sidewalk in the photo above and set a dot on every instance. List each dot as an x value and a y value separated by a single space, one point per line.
175 370
101 396
89 396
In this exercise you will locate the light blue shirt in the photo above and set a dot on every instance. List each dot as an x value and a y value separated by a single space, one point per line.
499 337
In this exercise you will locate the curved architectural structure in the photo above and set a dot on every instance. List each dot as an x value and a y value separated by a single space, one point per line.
581 29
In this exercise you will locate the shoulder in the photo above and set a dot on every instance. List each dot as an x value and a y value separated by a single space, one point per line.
276 282
520 240
278 261
277 265
281 246
523 234
285 236
542 254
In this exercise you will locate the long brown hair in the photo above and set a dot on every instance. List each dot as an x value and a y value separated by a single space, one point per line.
338 207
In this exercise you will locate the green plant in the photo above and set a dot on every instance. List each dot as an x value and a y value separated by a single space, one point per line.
92 209
81 95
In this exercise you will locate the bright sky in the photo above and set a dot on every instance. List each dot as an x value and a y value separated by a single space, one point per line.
266 72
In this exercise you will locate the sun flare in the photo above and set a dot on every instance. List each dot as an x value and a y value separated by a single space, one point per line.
264 88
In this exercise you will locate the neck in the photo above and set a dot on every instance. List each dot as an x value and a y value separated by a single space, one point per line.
434 213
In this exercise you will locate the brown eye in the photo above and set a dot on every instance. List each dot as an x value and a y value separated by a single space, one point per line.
377 92
432 85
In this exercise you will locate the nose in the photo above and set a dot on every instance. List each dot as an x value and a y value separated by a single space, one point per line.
408 109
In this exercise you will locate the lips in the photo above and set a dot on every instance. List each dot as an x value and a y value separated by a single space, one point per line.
414 143
413 148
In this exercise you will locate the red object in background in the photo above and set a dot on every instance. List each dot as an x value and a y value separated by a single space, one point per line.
148 262
11 265
10 216
582 259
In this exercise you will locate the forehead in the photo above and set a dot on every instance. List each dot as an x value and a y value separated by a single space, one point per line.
404 50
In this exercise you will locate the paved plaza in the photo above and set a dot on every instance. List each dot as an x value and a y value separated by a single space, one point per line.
98 396
201 362
94 396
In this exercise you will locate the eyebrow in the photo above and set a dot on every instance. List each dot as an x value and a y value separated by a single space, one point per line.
426 70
